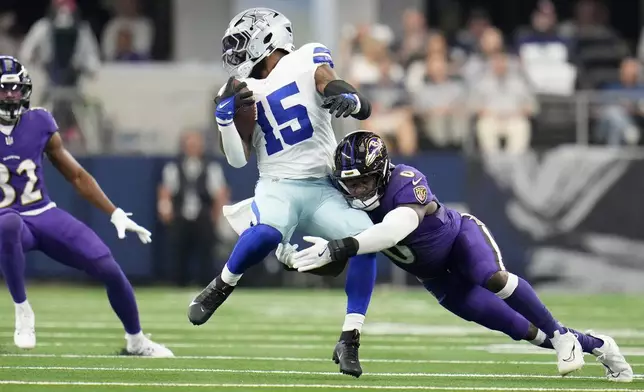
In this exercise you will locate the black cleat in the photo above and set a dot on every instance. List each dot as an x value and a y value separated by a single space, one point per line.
204 305
346 353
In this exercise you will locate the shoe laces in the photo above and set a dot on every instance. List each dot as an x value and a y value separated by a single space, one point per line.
351 350
212 297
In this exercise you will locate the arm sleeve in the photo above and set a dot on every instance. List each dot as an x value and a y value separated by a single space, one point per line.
47 122
232 142
319 53
395 226
233 145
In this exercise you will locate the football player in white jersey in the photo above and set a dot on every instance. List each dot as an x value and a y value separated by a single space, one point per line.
296 92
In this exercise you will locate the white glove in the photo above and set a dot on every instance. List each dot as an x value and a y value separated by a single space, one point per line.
312 257
285 253
123 223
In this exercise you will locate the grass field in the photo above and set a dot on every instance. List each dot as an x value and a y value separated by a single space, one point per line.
282 341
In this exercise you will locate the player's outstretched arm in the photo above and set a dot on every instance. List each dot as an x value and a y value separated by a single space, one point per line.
88 188
395 226
341 98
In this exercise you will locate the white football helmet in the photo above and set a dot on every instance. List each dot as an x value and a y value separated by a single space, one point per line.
251 36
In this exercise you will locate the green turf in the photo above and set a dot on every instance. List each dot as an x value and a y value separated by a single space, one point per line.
282 341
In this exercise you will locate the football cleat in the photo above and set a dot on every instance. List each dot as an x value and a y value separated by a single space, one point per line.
25 334
615 365
346 353
570 357
141 345
204 305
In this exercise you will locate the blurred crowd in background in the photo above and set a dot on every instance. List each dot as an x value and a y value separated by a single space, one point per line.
476 89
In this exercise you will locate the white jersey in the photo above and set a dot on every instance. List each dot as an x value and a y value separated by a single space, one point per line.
293 137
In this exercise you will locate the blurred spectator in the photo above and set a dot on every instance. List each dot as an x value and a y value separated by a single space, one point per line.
366 67
125 48
598 48
354 42
190 200
438 100
8 44
504 104
65 46
478 64
413 41
128 36
436 48
391 116
468 39
545 54
624 109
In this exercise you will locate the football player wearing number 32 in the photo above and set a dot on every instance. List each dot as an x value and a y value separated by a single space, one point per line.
30 220
454 256
296 93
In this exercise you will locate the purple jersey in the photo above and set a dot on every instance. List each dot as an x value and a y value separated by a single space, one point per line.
22 184
425 251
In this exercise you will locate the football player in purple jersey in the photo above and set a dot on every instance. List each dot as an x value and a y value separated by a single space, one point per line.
452 254
30 220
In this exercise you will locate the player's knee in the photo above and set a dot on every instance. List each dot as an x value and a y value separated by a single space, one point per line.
105 269
497 281
10 226
502 283
264 237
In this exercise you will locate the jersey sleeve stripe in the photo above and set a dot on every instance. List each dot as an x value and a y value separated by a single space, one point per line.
321 49
323 60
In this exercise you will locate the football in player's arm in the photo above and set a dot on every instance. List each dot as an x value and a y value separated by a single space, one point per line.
341 99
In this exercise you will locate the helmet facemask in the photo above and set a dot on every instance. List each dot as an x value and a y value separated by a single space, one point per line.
15 92
362 170
252 36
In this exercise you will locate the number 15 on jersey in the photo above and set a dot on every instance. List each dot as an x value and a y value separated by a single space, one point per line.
283 116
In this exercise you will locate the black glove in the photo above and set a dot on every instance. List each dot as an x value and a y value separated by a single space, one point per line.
342 104
231 93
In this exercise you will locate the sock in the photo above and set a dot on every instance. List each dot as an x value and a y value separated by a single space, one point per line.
361 279
12 258
119 292
228 277
542 340
23 306
253 246
588 343
521 297
135 337
353 321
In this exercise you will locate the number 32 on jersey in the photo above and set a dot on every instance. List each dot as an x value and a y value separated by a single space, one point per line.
283 116
29 194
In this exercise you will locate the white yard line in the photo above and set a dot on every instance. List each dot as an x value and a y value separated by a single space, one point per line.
294 359
312 386
375 328
269 338
297 372
497 349
321 346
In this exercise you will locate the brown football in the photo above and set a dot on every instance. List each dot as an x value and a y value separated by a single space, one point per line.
245 119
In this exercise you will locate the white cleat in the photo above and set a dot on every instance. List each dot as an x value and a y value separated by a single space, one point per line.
25 335
615 365
570 357
142 345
